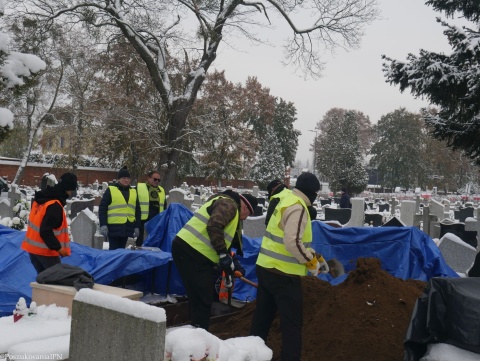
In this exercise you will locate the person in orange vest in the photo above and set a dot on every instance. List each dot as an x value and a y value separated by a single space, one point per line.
46 239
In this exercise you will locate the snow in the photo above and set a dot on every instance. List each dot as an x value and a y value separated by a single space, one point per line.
46 335
18 65
123 305
6 117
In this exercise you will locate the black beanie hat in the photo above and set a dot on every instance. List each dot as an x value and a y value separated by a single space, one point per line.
123 173
307 182
250 201
272 186
68 182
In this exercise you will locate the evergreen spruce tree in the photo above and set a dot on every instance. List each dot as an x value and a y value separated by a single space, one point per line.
449 82
270 162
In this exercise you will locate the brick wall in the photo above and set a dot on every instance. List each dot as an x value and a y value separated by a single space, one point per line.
33 173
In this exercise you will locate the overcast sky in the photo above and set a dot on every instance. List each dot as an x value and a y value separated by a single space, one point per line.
351 80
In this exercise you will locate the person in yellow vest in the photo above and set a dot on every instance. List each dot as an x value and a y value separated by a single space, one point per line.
46 239
285 256
119 212
152 201
205 241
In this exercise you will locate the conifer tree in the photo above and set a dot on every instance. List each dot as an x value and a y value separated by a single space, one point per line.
450 82
270 162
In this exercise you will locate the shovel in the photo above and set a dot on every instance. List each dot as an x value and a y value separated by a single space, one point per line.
335 268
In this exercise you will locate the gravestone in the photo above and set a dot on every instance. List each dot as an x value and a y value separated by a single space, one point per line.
192 190
258 211
255 191
108 327
472 228
407 212
393 204
47 181
437 209
325 201
463 213
197 199
459 255
15 195
254 227
95 185
79 205
358 212
261 201
394 222
342 215
177 195
373 219
458 229
383 207
83 228
87 196
5 209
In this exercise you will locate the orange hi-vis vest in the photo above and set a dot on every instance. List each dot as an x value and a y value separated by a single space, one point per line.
33 243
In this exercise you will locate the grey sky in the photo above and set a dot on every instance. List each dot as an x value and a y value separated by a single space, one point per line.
351 80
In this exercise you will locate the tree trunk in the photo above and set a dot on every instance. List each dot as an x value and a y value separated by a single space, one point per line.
177 118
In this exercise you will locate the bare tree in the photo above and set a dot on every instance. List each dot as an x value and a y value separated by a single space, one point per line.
161 30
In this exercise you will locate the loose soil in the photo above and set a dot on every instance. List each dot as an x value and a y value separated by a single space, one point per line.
365 318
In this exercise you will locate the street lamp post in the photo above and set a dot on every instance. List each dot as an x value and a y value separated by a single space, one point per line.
314 148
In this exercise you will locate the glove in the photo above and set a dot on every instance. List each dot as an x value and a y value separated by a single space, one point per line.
239 271
136 233
104 231
313 266
226 263
62 252
323 265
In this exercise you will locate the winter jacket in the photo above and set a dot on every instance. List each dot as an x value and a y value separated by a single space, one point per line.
66 275
345 201
118 230
54 214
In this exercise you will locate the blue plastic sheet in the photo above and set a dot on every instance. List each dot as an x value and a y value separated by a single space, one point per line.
404 252
16 270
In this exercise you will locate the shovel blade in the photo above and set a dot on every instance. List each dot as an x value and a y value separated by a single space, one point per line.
336 268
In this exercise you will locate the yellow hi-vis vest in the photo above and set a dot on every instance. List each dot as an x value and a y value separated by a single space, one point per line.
119 211
195 231
144 199
273 253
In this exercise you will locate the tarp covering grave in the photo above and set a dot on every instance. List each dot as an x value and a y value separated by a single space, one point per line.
16 270
404 252
448 313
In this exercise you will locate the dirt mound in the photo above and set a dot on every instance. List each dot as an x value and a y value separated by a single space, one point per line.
364 318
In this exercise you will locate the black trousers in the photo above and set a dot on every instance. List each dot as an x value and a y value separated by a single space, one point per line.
197 272
41 263
117 242
282 293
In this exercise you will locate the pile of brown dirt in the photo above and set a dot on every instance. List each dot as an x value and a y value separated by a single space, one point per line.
364 318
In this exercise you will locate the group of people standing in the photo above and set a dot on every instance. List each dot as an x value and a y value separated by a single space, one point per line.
204 245
123 210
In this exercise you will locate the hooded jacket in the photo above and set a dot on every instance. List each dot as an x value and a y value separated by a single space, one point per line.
53 215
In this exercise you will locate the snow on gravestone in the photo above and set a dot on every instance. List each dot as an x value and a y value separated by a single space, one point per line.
458 254
130 325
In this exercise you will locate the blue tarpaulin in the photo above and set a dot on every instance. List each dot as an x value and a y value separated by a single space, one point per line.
16 270
404 252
